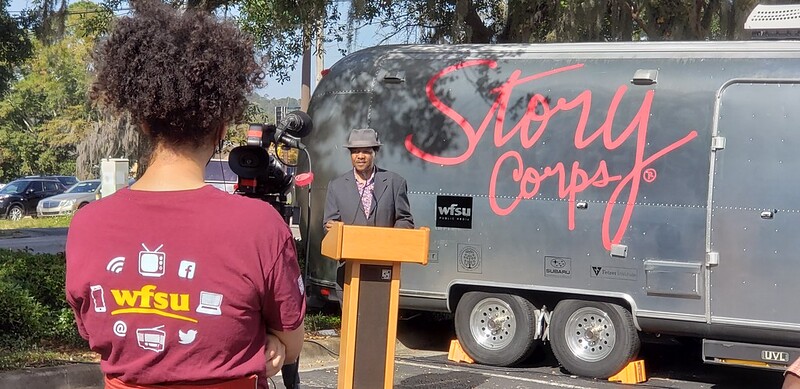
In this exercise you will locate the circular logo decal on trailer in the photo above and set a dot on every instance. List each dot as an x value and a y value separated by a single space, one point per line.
558 262
469 259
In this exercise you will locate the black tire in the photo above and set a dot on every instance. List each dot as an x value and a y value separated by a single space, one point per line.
15 213
593 339
496 329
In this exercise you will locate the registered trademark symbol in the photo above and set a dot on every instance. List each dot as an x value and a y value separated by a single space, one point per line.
649 175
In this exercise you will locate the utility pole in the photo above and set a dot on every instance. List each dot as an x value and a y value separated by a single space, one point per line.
320 52
305 88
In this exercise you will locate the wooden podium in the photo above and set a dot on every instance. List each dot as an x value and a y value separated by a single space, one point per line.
372 258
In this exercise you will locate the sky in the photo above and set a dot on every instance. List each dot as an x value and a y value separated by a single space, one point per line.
366 37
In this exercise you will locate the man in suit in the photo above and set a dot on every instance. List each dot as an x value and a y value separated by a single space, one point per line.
366 195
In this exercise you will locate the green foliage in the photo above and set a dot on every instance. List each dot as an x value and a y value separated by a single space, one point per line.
41 275
21 316
47 112
492 21
33 310
15 47
29 222
283 29
44 116
320 321
64 330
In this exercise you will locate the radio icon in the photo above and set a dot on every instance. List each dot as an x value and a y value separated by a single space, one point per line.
151 338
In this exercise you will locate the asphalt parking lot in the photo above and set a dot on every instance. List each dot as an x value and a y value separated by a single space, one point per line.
421 363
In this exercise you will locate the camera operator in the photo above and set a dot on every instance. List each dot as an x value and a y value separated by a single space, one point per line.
366 195
174 282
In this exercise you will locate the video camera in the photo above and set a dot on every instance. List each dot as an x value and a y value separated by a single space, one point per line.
265 176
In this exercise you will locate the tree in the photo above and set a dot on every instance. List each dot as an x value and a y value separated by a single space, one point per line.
48 20
285 29
524 21
46 112
15 47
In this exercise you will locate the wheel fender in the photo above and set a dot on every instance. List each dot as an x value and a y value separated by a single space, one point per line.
15 204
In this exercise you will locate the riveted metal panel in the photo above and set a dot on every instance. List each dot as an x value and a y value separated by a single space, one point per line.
757 171
678 279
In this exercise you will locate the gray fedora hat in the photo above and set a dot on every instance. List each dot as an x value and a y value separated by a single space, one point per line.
362 137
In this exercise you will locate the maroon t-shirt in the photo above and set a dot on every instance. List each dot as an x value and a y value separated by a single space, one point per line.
182 286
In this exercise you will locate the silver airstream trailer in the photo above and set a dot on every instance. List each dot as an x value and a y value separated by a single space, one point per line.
583 194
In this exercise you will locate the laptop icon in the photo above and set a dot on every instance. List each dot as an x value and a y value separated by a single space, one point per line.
210 303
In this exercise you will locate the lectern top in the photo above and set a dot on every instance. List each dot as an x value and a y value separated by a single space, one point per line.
380 244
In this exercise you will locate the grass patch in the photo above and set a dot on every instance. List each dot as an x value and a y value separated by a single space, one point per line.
320 321
35 357
29 222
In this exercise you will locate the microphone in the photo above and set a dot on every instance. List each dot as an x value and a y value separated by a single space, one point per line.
296 125
288 140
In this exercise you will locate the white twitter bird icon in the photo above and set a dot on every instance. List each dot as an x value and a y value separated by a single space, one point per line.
186 337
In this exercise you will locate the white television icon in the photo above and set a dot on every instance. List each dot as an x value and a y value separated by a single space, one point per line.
151 263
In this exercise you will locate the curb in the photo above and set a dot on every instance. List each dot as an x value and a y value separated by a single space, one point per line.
88 375
320 349
31 232
12 234
81 375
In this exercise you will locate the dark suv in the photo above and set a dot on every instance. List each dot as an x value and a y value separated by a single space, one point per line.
66 181
20 197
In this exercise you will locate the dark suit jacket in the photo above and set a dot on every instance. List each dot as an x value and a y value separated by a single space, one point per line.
390 206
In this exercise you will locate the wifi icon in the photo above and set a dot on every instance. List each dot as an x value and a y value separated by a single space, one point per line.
115 265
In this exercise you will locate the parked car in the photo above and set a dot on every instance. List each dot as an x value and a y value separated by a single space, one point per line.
219 174
75 198
20 197
67 181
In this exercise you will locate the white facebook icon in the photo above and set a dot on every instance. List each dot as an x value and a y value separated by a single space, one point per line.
186 270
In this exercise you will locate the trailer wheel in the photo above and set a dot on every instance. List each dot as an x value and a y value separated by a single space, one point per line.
593 339
496 329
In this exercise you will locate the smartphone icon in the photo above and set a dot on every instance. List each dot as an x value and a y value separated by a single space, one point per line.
98 299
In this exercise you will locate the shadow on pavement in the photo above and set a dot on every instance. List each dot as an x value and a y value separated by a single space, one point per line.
450 380
683 362
675 363
428 331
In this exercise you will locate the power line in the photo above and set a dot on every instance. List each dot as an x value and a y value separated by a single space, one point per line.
80 12
115 11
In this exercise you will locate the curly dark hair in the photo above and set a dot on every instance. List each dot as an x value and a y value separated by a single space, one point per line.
183 73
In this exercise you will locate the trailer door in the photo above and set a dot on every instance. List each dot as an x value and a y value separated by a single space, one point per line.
754 205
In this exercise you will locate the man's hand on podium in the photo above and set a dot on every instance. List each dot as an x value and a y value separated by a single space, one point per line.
329 225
